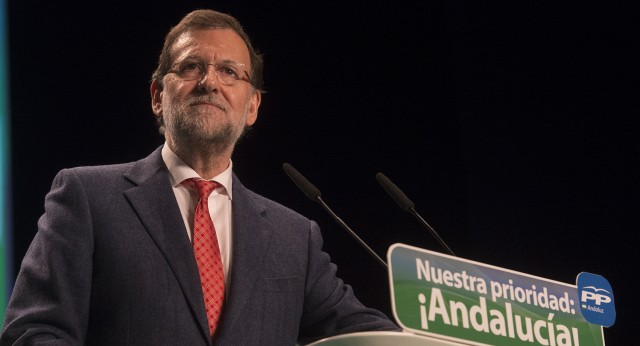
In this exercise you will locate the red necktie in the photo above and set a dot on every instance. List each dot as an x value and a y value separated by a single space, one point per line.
207 251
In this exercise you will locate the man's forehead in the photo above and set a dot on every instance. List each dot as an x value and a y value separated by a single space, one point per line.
223 41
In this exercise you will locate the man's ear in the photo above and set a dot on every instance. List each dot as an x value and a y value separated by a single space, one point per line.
254 104
156 97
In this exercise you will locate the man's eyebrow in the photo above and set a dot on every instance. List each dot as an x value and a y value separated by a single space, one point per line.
226 61
229 61
192 57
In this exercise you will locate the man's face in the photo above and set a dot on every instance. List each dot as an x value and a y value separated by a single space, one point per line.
204 111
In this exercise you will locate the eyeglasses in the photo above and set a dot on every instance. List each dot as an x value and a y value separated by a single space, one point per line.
227 72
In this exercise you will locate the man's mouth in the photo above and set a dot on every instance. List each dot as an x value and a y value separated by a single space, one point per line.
208 103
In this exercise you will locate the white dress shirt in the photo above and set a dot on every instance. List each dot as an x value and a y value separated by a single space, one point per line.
219 202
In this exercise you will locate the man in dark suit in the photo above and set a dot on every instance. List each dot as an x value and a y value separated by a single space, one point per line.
113 262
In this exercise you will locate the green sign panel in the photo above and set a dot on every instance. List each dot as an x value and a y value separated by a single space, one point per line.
478 304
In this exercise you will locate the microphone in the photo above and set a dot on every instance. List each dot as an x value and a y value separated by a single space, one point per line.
407 205
314 194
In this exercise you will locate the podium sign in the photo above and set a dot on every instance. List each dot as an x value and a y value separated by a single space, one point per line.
473 303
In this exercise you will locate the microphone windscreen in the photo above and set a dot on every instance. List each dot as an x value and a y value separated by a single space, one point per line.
403 201
301 182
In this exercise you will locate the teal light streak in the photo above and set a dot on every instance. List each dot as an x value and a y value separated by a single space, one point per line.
5 191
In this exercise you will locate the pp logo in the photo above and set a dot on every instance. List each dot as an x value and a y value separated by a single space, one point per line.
596 299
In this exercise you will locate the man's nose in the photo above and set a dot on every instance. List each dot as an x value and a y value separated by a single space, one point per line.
209 80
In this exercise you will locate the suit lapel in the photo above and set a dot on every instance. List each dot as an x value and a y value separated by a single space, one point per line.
155 204
251 233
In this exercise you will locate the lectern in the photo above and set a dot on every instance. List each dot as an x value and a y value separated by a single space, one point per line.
442 300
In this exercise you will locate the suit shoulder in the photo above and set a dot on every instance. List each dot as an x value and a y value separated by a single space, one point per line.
97 172
118 168
276 207
140 168
270 209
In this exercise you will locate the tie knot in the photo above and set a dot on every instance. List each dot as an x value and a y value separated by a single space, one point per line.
203 187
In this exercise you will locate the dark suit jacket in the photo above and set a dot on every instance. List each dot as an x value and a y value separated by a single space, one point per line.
111 264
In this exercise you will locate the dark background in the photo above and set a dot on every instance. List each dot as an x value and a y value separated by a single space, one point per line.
512 125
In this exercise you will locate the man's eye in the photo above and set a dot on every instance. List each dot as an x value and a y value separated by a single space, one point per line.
190 67
228 71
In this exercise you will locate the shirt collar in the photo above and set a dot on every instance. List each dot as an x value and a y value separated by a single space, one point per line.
179 171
